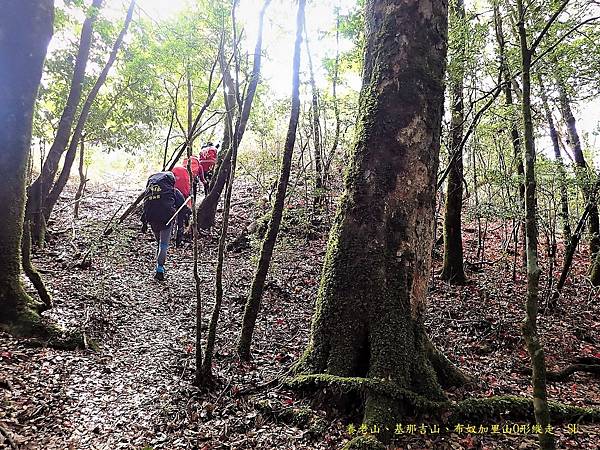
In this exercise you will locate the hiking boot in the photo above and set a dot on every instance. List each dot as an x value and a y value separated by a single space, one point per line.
159 275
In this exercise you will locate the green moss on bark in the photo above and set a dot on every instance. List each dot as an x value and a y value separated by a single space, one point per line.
364 443
367 333
31 272
19 315
518 408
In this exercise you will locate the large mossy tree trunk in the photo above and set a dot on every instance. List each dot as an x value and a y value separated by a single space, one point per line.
368 318
26 28
268 244
40 188
453 268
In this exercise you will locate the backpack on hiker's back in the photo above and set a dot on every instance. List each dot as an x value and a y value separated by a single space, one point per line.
159 199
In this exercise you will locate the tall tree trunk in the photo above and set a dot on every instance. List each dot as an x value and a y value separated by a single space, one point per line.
65 173
208 208
266 251
40 188
26 31
316 126
453 269
205 373
190 117
224 156
530 332
584 172
369 314
561 172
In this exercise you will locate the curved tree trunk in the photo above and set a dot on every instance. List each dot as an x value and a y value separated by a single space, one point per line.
31 272
368 318
453 269
63 178
266 251
205 374
40 188
26 31
208 208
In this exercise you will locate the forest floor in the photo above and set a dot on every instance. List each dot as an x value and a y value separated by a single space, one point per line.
134 391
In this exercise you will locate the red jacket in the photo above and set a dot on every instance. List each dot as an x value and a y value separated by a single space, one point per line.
182 180
208 158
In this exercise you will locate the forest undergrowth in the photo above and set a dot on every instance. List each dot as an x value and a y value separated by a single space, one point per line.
132 388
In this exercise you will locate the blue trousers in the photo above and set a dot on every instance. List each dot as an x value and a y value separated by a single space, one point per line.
162 239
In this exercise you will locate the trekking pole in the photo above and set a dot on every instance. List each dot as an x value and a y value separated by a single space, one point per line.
180 208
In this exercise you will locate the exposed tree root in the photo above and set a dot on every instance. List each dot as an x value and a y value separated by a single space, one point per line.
585 364
447 373
20 318
59 340
475 409
519 408
31 271
347 385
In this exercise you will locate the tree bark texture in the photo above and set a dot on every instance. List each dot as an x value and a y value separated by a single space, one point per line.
530 332
268 244
40 188
453 268
368 318
27 26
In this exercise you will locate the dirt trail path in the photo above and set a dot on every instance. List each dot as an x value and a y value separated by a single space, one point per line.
113 398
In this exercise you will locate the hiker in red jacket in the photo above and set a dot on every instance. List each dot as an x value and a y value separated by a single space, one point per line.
200 166
182 177
208 159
